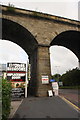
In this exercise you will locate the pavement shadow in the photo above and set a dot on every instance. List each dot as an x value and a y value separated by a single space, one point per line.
17 117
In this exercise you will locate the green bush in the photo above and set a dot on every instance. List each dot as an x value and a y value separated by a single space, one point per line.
6 99
69 87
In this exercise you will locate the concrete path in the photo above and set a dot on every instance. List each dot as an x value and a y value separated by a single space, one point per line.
45 107
14 106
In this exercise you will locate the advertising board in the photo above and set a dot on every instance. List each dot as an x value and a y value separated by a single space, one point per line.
55 88
45 79
18 89
55 85
16 73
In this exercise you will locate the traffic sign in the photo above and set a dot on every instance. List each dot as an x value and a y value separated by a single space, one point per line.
52 80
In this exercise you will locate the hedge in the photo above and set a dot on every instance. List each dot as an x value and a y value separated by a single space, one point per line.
6 99
69 87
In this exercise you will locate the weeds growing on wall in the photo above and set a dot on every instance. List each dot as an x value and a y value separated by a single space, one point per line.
10 8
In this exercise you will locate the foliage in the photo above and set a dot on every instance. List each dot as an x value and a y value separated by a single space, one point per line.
38 14
56 77
11 7
6 99
69 87
71 78
35 13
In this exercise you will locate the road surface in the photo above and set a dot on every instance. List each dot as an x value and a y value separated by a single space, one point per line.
73 95
45 107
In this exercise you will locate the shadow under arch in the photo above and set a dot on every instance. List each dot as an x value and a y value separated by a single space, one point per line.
69 39
16 33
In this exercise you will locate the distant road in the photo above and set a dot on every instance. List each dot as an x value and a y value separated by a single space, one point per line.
72 95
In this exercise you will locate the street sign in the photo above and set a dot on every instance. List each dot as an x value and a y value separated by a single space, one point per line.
52 80
45 79
60 83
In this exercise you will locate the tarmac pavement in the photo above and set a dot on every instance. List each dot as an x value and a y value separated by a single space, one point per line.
45 107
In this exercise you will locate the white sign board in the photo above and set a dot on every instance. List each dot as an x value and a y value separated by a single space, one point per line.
50 93
55 85
60 83
45 79
16 67
16 72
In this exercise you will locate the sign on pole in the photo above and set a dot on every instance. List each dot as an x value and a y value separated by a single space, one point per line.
16 73
52 80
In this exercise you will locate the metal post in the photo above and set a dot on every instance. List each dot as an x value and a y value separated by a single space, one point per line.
26 82
79 64
26 86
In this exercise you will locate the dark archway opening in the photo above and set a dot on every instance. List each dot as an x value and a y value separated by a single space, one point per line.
69 39
18 34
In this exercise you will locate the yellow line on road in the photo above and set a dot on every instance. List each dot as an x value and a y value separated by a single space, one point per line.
70 103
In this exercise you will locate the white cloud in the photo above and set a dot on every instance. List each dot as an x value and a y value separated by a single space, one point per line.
11 52
62 59
39 1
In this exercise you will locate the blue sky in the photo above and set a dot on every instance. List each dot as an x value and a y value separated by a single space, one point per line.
63 8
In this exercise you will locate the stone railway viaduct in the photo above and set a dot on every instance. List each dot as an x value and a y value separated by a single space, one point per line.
35 32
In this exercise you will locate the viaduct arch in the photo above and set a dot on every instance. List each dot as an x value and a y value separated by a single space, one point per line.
35 33
70 40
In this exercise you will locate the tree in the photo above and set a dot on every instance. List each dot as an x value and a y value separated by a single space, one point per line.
71 77
56 77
